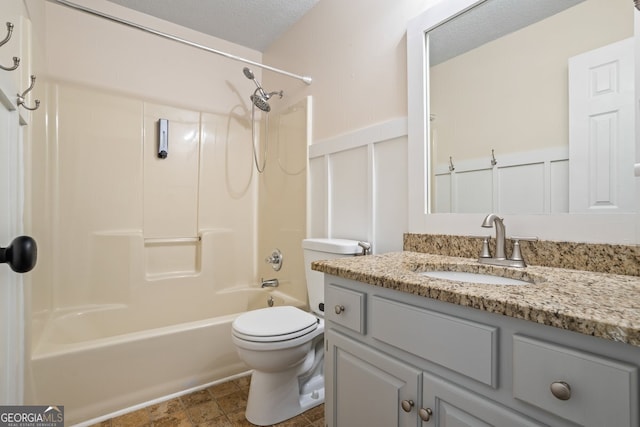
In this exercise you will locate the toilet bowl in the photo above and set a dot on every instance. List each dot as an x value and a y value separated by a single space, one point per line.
285 345
281 344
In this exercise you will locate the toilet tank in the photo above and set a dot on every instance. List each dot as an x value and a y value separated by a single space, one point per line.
320 249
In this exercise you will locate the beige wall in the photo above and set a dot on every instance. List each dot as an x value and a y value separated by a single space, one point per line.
89 50
356 53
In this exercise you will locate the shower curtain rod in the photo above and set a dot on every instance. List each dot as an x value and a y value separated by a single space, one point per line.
75 6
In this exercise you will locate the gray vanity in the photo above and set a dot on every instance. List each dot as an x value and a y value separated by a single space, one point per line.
404 349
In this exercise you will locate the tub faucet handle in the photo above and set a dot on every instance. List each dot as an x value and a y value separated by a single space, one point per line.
275 259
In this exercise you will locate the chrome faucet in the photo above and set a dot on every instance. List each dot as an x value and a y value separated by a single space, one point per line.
269 283
500 257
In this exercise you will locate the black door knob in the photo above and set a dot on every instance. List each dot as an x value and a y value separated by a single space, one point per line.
21 254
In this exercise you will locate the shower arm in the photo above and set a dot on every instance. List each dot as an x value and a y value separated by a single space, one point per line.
305 79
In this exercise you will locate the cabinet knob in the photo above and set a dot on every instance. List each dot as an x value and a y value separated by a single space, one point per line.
407 405
425 414
339 309
561 390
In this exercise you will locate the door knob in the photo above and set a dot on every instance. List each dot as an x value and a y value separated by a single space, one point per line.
21 254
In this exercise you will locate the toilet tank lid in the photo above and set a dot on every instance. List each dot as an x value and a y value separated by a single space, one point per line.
332 246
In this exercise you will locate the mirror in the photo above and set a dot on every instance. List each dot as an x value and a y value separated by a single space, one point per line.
500 112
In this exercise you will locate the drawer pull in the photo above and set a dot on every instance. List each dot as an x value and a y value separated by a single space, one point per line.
339 309
425 414
407 405
561 390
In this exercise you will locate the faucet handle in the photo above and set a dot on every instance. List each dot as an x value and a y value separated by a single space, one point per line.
526 239
485 252
366 248
516 255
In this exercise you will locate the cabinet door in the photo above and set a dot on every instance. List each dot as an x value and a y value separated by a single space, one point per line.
365 388
450 405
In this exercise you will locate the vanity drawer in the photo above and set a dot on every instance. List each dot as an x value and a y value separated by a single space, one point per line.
597 391
460 345
345 307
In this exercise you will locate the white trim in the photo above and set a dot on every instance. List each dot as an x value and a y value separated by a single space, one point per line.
309 140
370 135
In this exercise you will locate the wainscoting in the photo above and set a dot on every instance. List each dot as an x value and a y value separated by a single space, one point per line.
528 182
358 186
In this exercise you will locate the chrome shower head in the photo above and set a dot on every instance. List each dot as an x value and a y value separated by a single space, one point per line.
260 98
260 101
248 73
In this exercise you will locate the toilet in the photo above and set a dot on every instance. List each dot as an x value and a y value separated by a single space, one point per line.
284 345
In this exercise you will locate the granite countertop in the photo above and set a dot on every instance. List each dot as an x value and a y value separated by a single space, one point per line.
598 304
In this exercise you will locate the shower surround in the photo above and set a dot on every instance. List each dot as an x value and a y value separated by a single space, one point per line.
146 261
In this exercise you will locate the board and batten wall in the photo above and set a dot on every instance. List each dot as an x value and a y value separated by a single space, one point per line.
358 186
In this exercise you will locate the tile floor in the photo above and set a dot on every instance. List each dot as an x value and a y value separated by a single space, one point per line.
221 405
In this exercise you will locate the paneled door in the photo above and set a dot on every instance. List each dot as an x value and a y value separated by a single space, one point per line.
601 129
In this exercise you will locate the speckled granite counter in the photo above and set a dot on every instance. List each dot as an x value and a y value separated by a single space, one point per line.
598 304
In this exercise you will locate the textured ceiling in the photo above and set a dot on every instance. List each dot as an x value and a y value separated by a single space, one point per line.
489 21
251 23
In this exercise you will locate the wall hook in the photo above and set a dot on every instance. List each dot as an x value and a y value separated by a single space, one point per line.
493 158
21 97
451 167
16 60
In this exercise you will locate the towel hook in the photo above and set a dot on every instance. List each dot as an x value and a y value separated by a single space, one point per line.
21 97
16 60
451 167
493 158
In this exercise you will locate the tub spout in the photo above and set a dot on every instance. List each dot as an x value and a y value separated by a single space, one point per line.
269 283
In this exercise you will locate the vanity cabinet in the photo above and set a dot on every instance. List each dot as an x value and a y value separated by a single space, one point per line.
370 388
396 359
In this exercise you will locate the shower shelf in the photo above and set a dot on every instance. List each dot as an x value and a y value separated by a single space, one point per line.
169 240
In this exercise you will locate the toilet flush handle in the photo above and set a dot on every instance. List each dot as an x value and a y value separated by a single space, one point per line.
366 248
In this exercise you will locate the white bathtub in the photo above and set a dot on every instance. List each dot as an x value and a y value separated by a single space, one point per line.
100 359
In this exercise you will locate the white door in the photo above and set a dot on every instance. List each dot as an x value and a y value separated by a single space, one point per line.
602 129
11 290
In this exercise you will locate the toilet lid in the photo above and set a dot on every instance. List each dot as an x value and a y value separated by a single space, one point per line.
274 324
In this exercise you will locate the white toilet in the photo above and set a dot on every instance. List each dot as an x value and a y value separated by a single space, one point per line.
284 345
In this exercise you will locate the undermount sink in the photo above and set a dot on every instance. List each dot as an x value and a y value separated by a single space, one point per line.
459 276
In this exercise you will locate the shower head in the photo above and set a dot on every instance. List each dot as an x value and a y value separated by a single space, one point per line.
259 98
248 73
260 101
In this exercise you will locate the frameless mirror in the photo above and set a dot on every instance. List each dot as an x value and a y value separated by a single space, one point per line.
514 123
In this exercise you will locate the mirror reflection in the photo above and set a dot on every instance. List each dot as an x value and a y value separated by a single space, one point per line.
517 124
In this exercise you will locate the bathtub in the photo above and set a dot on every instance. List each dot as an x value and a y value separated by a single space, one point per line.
96 360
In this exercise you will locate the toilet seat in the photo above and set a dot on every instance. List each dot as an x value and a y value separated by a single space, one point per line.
274 324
